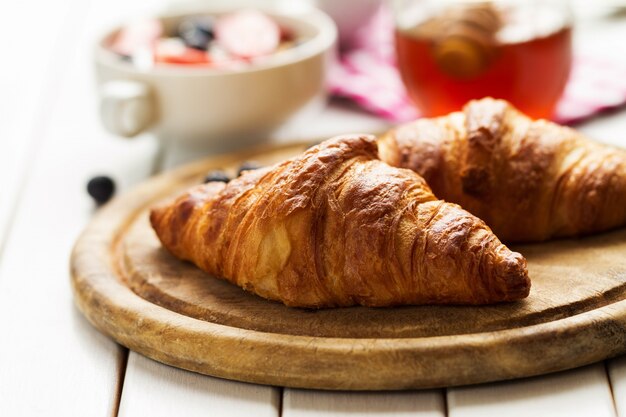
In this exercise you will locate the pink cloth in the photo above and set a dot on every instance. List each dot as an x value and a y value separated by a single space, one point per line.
368 75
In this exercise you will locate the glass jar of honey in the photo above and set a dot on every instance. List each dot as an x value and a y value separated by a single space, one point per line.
450 52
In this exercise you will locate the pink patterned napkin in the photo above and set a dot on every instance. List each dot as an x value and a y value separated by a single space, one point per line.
367 74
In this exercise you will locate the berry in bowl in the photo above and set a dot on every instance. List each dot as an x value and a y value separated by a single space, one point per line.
231 41
212 77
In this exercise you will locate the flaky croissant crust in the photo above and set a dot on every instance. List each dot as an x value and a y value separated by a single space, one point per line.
529 180
335 226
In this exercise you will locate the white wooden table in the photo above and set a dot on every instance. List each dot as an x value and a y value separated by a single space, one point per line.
53 363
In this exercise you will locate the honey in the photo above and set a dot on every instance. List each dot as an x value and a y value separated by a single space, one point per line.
468 54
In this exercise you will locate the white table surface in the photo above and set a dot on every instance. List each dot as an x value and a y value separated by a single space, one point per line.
53 363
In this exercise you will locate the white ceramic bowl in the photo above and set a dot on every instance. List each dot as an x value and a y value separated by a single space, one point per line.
209 105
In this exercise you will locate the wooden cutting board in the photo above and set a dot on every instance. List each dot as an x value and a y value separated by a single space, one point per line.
136 292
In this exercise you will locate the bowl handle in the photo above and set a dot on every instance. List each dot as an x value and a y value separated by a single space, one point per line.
126 107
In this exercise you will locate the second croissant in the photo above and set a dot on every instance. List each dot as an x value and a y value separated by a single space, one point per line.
335 226
529 180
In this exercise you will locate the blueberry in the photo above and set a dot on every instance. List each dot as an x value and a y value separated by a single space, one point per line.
197 32
248 166
205 24
101 188
216 176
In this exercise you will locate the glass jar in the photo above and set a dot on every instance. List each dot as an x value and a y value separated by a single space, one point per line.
450 52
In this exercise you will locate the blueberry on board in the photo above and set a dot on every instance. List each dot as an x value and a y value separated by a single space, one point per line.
197 33
248 166
216 176
101 188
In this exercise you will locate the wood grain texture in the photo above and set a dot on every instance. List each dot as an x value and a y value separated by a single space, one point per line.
576 393
154 274
575 314
152 389
303 403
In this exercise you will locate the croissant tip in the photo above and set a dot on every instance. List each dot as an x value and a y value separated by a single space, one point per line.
156 214
514 273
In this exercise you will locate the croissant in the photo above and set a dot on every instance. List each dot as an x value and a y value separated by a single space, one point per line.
336 226
529 180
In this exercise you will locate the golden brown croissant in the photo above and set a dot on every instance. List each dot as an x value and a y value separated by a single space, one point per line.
336 226
528 180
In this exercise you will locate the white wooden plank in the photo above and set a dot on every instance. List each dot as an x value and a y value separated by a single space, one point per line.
153 389
303 403
617 376
580 392
52 361
30 60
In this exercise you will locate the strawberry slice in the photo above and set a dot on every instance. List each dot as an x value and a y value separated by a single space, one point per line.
137 35
174 51
248 34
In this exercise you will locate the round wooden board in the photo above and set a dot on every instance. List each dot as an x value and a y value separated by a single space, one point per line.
149 301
